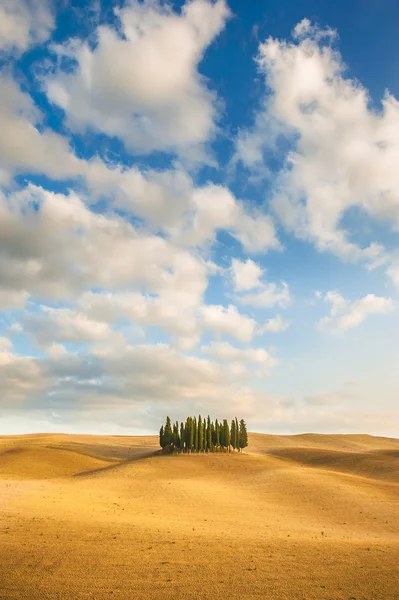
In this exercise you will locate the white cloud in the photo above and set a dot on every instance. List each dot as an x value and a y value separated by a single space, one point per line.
274 325
245 275
222 320
169 201
393 272
53 247
270 294
225 352
24 23
343 154
66 325
214 208
142 84
176 314
149 378
25 148
345 314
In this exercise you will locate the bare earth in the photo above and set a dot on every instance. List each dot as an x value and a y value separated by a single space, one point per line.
295 517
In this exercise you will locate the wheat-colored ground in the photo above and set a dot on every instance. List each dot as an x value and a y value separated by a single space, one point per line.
296 517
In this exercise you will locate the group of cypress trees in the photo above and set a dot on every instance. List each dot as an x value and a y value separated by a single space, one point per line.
203 435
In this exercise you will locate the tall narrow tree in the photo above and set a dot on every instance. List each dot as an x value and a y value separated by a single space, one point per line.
168 433
233 434
243 435
161 438
226 434
195 435
217 434
182 437
209 434
200 435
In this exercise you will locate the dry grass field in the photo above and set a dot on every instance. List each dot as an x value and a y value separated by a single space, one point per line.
295 517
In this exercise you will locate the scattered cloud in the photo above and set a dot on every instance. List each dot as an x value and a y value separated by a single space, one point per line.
345 314
341 154
141 83
271 294
24 23
229 321
226 352
274 325
246 275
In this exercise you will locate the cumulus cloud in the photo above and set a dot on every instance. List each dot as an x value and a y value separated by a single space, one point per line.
245 275
176 314
147 377
274 325
24 146
270 294
54 246
393 272
228 321
24 23
345 314
141 82
225 352
169 201
342 154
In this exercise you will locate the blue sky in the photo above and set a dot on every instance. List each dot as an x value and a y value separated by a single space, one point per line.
199 213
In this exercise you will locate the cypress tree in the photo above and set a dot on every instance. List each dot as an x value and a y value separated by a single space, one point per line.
243 435
161 438
191 434
200 435
237 430
176 436
181 437
204 434
209 434
226 434
213 435
195 435
217 434
168 433
186 436
233 434
221 435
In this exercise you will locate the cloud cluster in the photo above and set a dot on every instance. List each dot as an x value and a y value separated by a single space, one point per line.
141 82
24 23
345 314
342 154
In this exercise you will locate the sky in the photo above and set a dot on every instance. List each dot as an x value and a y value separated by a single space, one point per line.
199 213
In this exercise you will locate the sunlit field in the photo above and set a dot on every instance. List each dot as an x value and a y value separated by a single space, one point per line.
293 517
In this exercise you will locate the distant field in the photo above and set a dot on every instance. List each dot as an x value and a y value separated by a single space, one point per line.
310 517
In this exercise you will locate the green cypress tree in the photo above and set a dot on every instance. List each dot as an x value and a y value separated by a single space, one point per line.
181 436
213 436
204 434
186 436
200 435
195 435
233 434
243 435
168 433
221 435
191 434
209 434
237 432
217 434
161 438
226 434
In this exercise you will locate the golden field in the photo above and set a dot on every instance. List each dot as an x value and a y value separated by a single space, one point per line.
294 517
